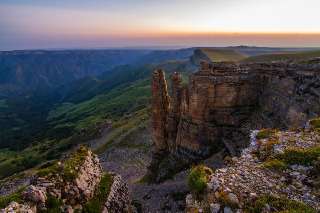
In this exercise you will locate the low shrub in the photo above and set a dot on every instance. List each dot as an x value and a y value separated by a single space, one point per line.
53 204
48 169
225 200
315 123
96 204
300 156
266 149
16 196
198 178
265 133
277 205
275 164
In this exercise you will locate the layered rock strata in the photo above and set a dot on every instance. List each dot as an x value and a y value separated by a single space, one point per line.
223 101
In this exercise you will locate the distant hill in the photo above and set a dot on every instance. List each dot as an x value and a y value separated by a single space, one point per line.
222 54
24 71
301 55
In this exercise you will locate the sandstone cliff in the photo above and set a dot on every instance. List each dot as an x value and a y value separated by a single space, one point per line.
223 102
76 183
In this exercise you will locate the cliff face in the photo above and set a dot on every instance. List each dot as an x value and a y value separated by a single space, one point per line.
223 101
160 109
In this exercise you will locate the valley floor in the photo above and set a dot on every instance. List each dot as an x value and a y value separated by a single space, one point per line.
131 157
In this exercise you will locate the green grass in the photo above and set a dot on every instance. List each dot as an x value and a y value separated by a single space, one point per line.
278 204
219 55
300 156
198 178
73 162
16 196
315 123
303 55
112 105
96 204
123 128
69 169
265 133
275 164
53 204
123 105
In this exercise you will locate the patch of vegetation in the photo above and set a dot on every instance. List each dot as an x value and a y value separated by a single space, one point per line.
315 123
278 205
123 128
266 149
53 204
48 169
198 178
315 174
265 133
300 156
16 163
74 161
225 200
16 196
275 164
96 204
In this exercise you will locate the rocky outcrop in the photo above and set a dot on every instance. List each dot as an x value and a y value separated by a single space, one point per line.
224 101
71 184
268 176
118 199
160 109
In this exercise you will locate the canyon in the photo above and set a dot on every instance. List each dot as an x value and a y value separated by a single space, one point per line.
221 104
205 121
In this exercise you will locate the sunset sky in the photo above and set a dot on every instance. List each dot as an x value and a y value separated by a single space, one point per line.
29 24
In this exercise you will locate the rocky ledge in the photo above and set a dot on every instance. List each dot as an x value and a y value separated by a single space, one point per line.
279 171
76 183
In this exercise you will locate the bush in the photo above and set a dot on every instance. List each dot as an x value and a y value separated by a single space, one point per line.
96 204
278 205
16 196
275 164
315 123
265 149
300 156
198 178
265 133
53 204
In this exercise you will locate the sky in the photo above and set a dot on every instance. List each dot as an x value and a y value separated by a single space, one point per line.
36 24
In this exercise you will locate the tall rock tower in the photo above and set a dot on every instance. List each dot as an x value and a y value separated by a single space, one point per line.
160 109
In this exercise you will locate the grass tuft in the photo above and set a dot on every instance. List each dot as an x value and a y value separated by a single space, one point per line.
300 156
96 204
198 178
265 133
278 205
16 196
275 164
315 123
